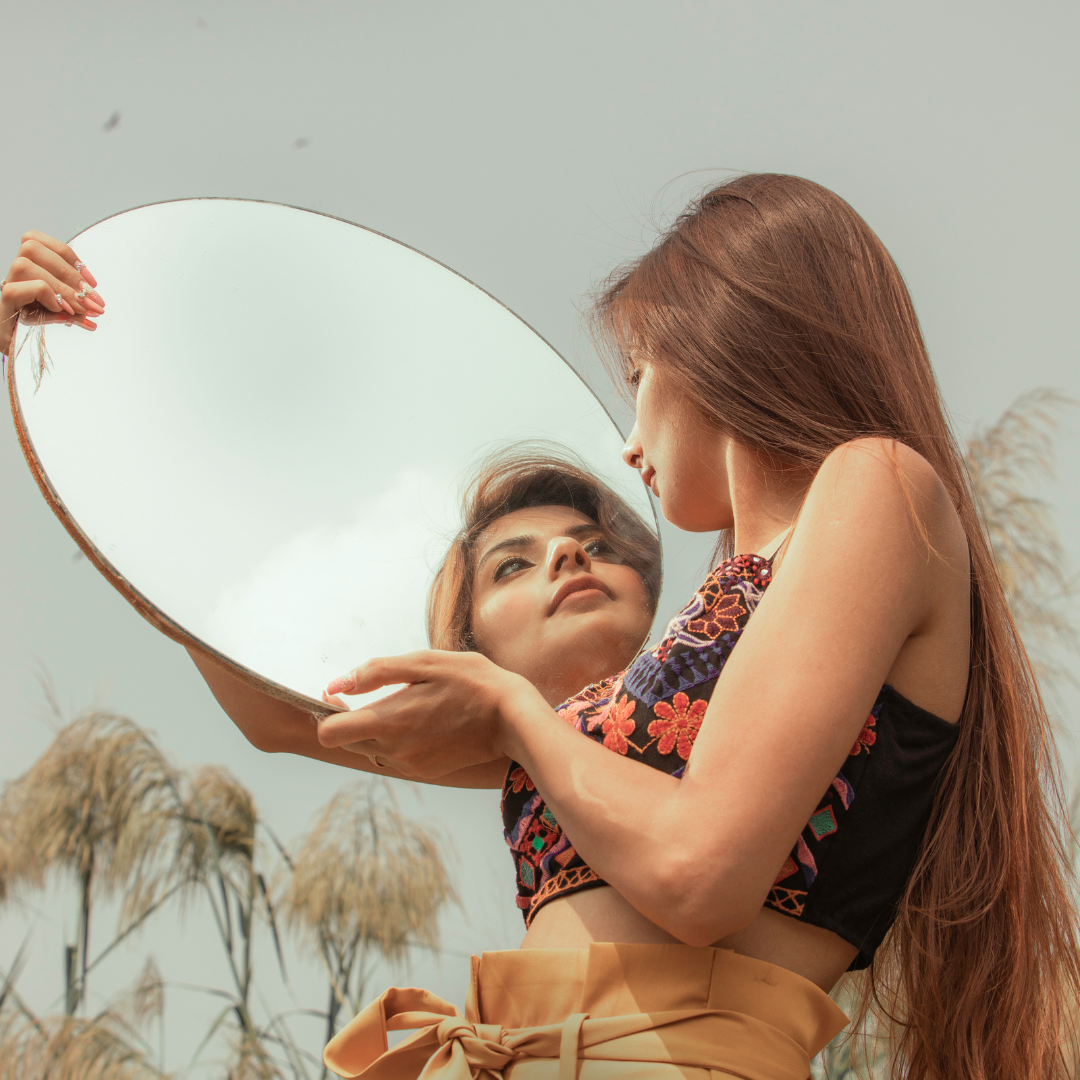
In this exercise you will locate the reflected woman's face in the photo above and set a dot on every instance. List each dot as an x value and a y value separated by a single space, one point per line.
552 602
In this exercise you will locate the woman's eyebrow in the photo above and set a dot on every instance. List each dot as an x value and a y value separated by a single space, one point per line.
524 540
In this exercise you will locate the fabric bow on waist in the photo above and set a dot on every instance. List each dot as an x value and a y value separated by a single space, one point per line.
449 1047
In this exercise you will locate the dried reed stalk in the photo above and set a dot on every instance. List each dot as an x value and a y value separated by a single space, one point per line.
1002 461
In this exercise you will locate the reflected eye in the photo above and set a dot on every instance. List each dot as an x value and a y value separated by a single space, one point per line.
511 566
597 549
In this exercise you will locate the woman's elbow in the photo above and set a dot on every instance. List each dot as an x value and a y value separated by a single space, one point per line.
702 907
263 740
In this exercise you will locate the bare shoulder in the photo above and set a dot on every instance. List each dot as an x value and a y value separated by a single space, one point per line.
879 519
878 485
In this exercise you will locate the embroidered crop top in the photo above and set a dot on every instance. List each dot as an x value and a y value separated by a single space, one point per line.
849 866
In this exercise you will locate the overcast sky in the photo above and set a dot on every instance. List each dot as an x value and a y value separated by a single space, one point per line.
531 148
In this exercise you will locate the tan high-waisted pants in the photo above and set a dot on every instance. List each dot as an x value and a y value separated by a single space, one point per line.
606 1012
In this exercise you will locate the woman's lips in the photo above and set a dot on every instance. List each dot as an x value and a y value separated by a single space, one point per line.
578 583
648 478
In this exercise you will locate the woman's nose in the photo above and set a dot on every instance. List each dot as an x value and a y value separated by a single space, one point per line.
632 450
565 551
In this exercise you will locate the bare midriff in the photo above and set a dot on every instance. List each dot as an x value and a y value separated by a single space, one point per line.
601 914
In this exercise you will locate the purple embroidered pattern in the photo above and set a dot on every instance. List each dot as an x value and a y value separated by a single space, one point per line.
653 712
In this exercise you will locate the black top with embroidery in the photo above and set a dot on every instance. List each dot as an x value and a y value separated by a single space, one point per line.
848 868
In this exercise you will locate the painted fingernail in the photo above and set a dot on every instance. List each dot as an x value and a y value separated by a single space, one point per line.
94 309
342 685
86 275
65 305
86 324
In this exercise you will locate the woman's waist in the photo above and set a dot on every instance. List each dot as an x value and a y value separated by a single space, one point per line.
602 915
601 1011
732 997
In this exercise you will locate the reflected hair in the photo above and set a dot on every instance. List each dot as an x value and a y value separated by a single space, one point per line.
775 306
522 477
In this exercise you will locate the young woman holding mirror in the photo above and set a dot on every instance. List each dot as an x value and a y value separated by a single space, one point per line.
874 758
784 395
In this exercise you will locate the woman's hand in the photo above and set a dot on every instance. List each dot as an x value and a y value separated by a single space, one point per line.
453 713
47 283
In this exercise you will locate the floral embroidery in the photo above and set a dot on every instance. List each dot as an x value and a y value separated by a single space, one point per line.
572 710
866 738
665 680
722 616
618 725
677 727
520 778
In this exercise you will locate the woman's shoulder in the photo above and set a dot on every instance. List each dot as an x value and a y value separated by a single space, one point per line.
883 482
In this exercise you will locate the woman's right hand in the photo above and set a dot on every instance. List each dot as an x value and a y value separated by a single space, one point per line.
47 283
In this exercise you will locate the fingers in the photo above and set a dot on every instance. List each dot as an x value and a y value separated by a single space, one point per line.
384 671
357 730
74 296
61 249
20 296
63 271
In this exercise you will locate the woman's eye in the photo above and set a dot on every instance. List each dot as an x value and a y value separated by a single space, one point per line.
635 378
510 566
597 548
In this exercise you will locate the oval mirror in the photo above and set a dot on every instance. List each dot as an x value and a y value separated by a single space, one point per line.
264 444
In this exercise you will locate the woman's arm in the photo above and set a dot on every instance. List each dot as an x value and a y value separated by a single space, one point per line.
697 856
277 727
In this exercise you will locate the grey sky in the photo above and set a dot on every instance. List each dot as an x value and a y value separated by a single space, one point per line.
531 148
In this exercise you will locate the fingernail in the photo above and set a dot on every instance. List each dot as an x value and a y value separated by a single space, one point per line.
65 305
96 297
94 309
342 685
86 275
86 324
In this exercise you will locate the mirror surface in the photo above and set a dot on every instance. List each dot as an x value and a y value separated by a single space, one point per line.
268 435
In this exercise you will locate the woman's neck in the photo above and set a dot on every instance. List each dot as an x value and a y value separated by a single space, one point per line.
765 497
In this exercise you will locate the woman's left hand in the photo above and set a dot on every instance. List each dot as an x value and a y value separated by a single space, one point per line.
451 715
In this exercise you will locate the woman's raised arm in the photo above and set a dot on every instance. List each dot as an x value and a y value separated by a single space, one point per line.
276 727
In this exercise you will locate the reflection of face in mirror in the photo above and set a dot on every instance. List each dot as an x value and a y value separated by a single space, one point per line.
552 576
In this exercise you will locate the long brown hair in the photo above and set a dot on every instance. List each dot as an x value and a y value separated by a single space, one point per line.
776 308
518 478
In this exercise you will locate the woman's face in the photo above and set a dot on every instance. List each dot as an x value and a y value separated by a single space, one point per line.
683 460
552 602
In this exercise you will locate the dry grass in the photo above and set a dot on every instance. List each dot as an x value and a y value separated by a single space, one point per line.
99 806
147 999
100 802
366 873
70 1048
220 820
366 880
1003 460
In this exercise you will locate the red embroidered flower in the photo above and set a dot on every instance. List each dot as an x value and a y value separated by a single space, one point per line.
717 618
572 710
618 725
677 728
866 738
519 778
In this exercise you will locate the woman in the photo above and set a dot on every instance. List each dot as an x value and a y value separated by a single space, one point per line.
874 757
